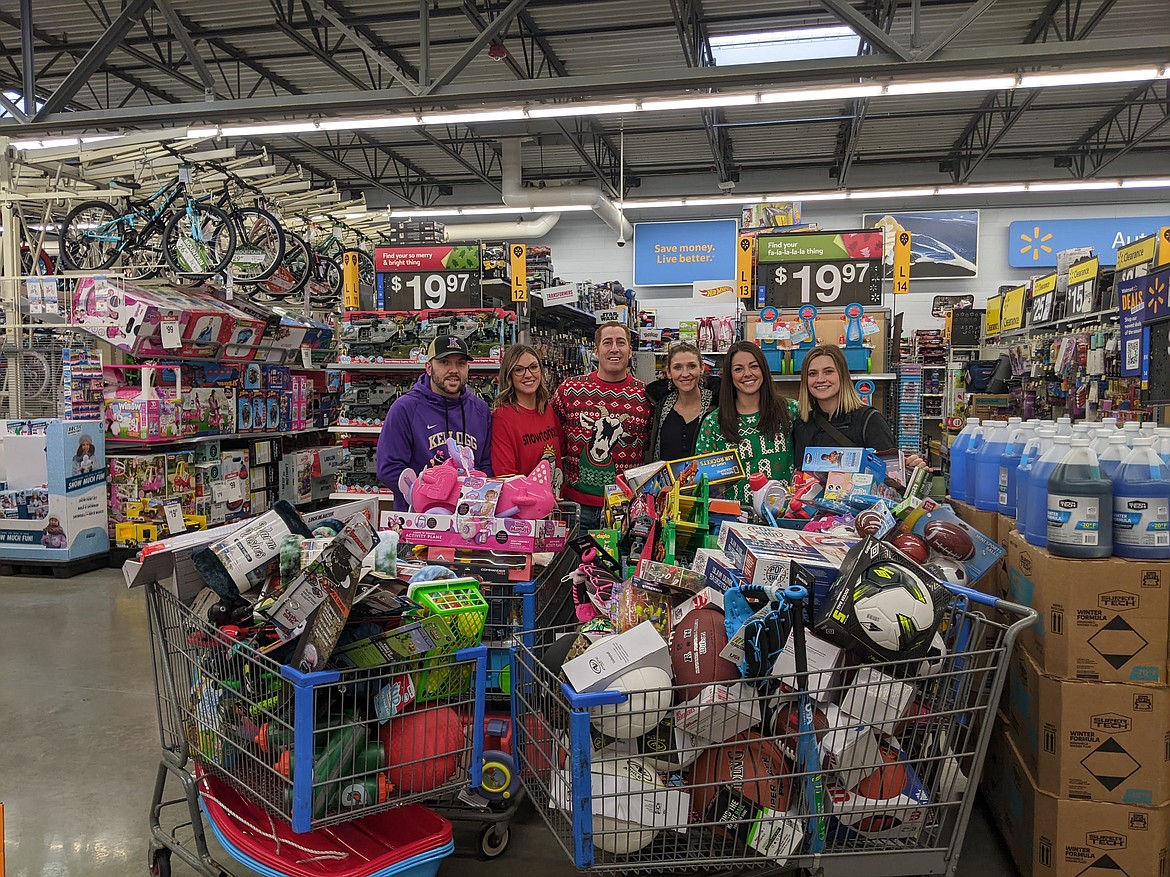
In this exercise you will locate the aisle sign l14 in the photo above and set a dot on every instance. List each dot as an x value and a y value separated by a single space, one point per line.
902 262
518 253
743 267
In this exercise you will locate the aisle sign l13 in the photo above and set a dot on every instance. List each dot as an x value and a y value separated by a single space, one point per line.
519 256
743 267
902 263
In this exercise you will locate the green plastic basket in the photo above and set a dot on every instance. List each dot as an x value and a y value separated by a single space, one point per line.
459 603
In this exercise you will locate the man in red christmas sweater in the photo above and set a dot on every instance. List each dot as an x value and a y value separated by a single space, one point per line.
606 420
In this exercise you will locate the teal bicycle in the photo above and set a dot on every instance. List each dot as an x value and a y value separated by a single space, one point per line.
194 238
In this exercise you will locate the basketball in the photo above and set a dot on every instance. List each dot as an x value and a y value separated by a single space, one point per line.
749 767
887 781
423 748
695 644
878 804
650 698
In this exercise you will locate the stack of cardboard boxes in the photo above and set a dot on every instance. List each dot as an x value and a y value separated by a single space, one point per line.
1078 775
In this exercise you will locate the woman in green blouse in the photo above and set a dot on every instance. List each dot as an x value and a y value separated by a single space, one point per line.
752 418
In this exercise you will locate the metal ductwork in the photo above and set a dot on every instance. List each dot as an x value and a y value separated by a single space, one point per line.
519 229
514 193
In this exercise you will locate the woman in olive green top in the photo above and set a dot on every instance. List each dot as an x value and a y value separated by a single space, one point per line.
752 418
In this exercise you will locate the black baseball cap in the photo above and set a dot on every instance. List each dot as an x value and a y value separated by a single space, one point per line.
446 345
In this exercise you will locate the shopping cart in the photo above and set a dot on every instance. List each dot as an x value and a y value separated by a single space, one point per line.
788 784
308 750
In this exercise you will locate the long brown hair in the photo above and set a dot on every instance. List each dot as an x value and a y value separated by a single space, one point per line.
847 399
774 418
507 392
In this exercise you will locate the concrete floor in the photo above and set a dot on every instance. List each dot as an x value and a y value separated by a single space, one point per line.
80 744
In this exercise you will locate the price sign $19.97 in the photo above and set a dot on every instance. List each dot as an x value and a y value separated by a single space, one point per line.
824 283
431 290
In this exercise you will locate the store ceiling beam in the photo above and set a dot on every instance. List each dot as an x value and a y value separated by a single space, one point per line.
956 30
94 58
28 63
999 112
867 30
496 27
696 46
1143 114
189 48
608 152
1135 49
377 51
849 133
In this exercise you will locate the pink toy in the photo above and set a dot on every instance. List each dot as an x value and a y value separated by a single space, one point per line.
435 489
531 497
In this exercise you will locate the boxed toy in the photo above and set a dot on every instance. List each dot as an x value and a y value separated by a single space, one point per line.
718 467
380 336
508 534
947 534
857 818
641 646
719 712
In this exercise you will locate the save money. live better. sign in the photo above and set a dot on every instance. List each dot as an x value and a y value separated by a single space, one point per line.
681 253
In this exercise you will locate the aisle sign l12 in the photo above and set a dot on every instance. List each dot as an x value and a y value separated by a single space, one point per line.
743 267
518 253
351 281
902 262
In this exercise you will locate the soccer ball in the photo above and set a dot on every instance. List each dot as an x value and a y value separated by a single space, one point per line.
893 607
948 571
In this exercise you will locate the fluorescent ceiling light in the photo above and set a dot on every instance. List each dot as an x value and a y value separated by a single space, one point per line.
265 129
200 133
369 124
1005 189
1077 186
560 110
835 92
469 118
702 102
1149 183
948 86
1095 77
794 44
891 193
59 141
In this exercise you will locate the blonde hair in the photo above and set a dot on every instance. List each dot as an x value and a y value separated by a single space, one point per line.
847 399
507 391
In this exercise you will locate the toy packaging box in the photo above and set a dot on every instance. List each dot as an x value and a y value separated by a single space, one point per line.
717 466
987 552
380 337
55 503
499 534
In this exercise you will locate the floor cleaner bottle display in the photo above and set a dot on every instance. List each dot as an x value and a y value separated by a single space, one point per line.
1035 525
959 460
985 496
1141 504
1009 462
1080 505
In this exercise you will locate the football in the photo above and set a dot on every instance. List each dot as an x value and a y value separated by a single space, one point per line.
893 607
912 546
695 644
751 767
949 539
868 523
948 571
786 727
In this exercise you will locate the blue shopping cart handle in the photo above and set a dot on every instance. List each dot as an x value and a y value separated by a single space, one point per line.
591 698
472 653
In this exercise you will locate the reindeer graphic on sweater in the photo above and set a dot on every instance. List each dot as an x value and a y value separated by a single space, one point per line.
596 463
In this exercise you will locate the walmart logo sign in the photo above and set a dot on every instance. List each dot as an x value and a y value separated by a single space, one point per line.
1034 243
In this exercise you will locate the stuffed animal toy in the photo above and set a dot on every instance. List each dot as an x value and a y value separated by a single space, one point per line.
436 488
528 497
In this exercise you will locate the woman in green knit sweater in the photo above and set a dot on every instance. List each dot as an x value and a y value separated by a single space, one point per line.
752 418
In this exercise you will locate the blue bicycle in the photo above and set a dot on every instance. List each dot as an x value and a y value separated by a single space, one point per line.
171 228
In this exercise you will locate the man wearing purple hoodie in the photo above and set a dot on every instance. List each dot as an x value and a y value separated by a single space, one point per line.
439 406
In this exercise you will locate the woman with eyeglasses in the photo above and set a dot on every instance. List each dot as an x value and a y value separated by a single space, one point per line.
525 429
681 401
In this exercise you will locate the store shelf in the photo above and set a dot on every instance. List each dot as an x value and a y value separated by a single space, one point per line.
476 365
196 439
389 497
855 376
1063 322
357 430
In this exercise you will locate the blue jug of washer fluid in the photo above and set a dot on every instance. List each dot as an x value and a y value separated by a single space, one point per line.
1080 505
986 469
1036 526
958 480
1009 462
1141 505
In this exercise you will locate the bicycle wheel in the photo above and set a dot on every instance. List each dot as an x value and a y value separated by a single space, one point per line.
199 240
367 277
144 260
259 245
326 284
92 236
39 264
292 275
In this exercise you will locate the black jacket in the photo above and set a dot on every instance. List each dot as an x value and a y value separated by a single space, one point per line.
865 428
661 395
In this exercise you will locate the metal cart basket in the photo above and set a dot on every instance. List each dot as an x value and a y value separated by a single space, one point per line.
310 748
771 775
